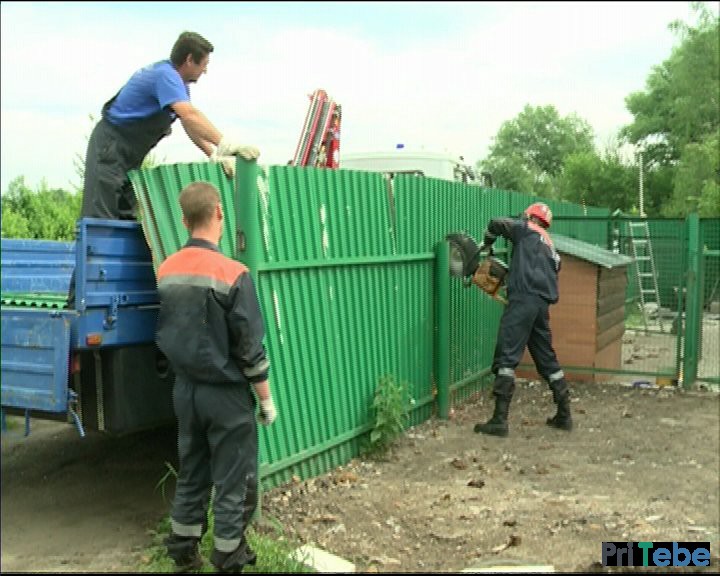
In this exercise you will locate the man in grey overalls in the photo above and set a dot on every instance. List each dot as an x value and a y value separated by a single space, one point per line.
211 329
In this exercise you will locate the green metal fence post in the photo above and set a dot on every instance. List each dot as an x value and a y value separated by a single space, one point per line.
248 250
693 303
442 328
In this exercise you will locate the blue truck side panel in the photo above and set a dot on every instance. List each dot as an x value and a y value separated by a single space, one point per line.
115 306
114 265
125 327
36 266
35 358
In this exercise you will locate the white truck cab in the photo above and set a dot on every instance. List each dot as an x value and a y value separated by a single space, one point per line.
419 162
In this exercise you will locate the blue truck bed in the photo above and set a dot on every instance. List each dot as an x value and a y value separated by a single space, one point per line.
96 351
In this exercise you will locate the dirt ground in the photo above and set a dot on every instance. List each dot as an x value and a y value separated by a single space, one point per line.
640 465
72 504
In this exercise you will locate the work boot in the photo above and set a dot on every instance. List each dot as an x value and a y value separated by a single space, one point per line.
497 425
184 551
561 396
234 561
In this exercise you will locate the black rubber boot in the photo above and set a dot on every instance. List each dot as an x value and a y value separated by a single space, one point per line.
497 425
561 395
503 389
184 551
234 561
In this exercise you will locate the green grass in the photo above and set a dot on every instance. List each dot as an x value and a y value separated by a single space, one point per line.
273 551
14 423
633 317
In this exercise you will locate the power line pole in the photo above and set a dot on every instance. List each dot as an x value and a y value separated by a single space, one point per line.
642 191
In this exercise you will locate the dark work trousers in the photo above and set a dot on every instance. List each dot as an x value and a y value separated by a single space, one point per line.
107 192
525 321
112 151
217 446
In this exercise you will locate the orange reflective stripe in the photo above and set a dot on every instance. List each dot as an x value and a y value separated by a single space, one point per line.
193 261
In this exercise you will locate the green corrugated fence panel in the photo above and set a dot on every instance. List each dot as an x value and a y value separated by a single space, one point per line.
332 334
35 300
590 225
315 214
157 191
344 265
428 210
343 309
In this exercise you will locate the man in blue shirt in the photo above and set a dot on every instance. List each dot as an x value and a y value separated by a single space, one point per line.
139 116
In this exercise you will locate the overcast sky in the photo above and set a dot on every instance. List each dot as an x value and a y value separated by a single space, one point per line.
438 76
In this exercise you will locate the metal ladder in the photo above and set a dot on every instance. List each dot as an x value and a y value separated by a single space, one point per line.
645 270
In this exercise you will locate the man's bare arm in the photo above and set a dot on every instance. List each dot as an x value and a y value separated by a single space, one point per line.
199 129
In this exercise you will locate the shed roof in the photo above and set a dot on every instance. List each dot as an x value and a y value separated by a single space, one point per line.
589 252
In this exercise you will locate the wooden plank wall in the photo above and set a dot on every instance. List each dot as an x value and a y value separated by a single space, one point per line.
588 322
611 319
573 319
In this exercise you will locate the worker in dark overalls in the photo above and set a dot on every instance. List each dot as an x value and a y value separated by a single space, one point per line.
532 286
211 329
139 116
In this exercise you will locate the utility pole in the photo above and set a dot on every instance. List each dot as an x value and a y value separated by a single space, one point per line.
642 191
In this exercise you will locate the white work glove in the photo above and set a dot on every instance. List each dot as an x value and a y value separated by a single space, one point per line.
267 413
229 148
227 162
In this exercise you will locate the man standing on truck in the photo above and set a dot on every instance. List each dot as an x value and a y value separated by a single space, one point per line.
532 286
211 329
139 116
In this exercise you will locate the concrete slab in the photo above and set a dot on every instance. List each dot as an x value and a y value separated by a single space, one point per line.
322 561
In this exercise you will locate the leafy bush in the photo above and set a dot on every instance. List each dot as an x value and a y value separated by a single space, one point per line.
391 413
45 213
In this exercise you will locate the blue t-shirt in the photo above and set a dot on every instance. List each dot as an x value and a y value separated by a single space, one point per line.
148 92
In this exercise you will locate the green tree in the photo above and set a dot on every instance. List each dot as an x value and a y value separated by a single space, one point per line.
597 180
14 225
677 117
45 213
509 173
529 151
696 186
680 104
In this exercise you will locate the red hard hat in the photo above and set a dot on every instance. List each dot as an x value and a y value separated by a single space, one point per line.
541 211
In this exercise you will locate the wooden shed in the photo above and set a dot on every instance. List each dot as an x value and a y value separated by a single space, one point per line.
588 322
